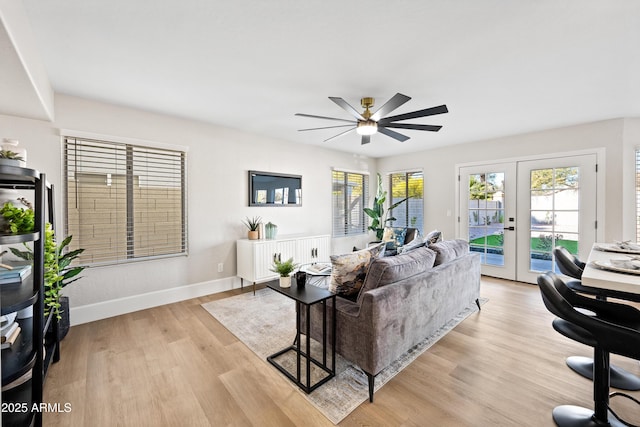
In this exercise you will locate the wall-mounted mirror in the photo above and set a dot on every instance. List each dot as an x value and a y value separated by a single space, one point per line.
274 189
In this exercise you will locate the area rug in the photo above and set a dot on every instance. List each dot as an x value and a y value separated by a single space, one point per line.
265 322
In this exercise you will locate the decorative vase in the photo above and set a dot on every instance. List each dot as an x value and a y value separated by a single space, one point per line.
285 282
64 323
253 235
20 154
301 278
271 230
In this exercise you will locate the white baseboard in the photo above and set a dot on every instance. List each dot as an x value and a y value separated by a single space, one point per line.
103 310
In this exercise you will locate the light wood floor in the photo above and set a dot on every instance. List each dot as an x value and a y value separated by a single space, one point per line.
175 365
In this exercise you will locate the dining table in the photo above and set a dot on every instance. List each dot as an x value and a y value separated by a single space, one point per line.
600 272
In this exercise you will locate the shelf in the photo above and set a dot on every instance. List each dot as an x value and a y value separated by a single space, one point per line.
16 296
11 239
16 175
16 398
20 358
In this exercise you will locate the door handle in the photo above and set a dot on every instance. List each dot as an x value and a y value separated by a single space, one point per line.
512 228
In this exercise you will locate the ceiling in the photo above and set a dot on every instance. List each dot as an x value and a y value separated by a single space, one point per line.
502 67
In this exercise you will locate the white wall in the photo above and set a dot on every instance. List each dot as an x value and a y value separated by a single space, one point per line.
440 174
217 163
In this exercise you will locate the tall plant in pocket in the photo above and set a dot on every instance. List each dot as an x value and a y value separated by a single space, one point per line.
58 271
379 219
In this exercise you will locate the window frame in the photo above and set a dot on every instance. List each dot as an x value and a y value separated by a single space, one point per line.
404 208
360 226
173 158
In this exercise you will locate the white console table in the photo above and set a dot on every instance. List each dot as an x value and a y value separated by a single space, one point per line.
255 257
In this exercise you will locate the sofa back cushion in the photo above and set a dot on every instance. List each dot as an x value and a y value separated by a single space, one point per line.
348 271
448 250
384 271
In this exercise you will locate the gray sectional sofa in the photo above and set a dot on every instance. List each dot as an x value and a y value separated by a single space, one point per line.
404 299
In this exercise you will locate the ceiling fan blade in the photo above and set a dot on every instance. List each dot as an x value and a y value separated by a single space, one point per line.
432 128
340 134
348 108
366 139
441 109
396 101
325 127
395 135
324 117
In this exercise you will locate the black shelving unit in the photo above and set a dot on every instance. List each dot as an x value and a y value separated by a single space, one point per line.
25 364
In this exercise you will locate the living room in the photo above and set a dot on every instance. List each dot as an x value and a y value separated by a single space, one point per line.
219 153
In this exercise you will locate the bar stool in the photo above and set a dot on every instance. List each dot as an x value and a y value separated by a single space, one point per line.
571 266
614 329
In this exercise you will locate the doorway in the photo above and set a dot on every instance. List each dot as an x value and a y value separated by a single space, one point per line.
514 213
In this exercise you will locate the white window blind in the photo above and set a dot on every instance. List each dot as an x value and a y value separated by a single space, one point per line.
637 194
410 212
349 199
124 202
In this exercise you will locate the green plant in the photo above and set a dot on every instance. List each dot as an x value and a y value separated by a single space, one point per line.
18 220
252 223
378 218
8 154
58 271
285 268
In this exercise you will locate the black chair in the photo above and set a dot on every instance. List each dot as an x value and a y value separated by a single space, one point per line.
615 328
571 266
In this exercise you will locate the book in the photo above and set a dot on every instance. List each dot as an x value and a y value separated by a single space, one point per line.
7 319
8 331
12 339
319 268
16 274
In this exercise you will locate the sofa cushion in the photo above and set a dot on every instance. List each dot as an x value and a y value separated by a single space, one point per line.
448 250
348 271
384 271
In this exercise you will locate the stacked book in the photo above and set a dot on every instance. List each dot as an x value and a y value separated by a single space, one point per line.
14 274
9 330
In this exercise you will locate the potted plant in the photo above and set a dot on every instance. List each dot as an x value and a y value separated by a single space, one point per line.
11 158
377 213
58 273
284 269
253 224
15 220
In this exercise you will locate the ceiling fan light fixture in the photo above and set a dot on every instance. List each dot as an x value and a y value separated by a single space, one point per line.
367 127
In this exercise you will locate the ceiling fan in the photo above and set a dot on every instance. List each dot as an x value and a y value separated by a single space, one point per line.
368 123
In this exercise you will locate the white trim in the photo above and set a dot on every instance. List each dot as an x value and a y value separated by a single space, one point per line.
337 169
116 307
405 171
121 139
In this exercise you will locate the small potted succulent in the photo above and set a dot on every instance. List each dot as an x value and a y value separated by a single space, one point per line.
253 224
284 269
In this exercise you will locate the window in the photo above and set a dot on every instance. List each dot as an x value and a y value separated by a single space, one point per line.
349 198
124 202
637 194
409 213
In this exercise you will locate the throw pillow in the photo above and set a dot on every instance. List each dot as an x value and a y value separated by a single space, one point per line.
349 271
433 237
393 237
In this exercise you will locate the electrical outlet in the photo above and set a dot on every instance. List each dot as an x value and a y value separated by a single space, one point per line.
220 267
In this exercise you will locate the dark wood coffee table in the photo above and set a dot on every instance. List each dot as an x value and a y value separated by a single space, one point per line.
308 296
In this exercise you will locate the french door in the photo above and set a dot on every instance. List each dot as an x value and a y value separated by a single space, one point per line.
515 213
